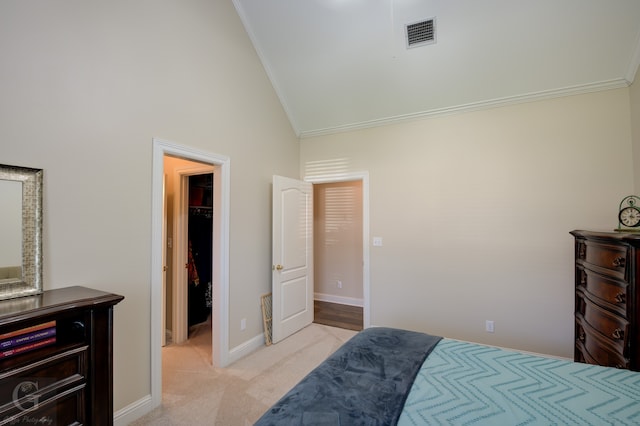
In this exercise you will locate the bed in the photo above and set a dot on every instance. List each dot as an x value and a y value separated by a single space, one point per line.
387 376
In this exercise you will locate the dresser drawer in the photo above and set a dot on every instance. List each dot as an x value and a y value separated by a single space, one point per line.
36 383
66 408
613 258
590 351
611 328
605 289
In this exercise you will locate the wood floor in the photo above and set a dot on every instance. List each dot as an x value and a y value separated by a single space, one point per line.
336 315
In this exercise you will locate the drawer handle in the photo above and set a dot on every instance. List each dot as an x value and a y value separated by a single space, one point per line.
581 336
619 262
617 333
621 298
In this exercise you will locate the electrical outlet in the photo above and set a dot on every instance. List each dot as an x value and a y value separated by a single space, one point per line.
339 284
489 326
243 324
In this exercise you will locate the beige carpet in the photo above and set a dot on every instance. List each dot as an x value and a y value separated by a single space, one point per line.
195 393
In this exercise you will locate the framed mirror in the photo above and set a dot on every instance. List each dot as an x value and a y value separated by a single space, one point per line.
20 231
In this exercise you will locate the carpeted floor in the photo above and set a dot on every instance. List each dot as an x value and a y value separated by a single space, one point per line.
195 393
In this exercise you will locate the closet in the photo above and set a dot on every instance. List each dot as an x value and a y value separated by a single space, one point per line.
200 232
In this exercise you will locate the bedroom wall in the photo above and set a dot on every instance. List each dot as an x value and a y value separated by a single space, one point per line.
634 95
85 86
475 211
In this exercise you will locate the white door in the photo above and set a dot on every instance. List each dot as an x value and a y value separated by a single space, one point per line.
292 282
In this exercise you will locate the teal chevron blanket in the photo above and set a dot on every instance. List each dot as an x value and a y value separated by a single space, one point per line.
468 384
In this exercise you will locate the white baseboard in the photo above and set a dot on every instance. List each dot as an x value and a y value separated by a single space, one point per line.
246 348
133 411
352 301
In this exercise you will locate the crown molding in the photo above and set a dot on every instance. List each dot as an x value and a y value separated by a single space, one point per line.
475 106
635 62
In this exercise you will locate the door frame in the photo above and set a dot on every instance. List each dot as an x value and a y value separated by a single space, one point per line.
220 308
366 278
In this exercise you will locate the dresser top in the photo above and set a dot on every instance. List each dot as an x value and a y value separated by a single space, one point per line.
629 237
68 298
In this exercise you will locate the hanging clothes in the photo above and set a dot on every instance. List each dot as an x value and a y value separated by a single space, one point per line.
191 267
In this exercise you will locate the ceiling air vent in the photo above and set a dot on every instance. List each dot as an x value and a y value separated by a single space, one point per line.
421 33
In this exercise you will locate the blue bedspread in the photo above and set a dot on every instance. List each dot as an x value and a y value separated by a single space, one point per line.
365 382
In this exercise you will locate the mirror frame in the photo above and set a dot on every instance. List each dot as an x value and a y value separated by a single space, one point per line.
30 283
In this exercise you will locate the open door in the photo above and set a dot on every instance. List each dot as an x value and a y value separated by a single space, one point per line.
292 276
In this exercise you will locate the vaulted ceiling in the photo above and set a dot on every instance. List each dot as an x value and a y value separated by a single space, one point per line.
344 64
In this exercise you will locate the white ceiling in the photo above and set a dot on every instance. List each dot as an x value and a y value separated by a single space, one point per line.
343 64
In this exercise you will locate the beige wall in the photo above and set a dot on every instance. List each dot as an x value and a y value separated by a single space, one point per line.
85 87
634 96
475 211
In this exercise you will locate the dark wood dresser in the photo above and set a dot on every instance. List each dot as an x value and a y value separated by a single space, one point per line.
606 309
65 378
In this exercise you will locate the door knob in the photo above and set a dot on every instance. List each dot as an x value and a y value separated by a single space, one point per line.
278 267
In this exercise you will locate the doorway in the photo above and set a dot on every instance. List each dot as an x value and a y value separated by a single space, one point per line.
220 255
189 258
363 178
348 206
338 254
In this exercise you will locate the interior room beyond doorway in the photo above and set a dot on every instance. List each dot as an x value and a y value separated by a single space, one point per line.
338 254
188 246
